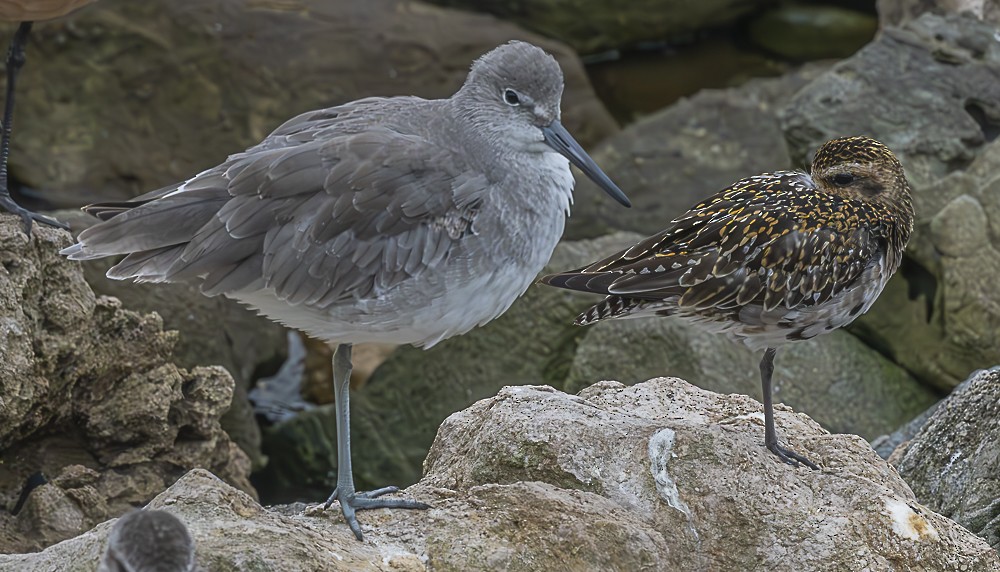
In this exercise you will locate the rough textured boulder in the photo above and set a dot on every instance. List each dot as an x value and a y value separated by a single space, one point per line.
593 25
953 462
806 31
130 96
848 386
930 92
660 476
896 12
213 331
91 399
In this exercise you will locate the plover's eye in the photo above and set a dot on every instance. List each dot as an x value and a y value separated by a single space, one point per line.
511 98
843 179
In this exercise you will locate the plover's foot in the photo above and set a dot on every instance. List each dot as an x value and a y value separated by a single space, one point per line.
351 502
791 457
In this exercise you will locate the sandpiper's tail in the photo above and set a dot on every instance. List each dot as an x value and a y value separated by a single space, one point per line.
154 230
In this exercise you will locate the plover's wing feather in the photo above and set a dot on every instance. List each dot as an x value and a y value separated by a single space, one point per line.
737 248
360 211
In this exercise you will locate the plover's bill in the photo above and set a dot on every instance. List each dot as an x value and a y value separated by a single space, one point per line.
774 258
397 220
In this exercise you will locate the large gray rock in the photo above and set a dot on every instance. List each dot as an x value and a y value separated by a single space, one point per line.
896 12
849 386
91 399
953 462
659 476
930 92
133 95
592 25
672 159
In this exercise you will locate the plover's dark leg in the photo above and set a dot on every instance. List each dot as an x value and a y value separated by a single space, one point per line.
351 501
15 59
770 435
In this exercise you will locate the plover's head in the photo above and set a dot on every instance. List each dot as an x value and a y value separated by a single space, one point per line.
864 169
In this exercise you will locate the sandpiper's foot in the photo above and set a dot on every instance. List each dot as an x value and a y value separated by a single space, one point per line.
351 502
790 457
8 204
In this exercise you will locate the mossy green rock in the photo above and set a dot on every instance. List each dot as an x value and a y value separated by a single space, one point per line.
129 96
835 379
811 32
595 25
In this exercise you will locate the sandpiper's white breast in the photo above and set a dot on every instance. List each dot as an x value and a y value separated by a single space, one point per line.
518 227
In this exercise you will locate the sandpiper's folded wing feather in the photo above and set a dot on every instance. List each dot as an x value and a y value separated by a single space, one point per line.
765 244
324 197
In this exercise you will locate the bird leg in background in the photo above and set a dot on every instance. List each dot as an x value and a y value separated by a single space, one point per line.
350 501
770 435
15 59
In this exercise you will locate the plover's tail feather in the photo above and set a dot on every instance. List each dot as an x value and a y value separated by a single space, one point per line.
608 308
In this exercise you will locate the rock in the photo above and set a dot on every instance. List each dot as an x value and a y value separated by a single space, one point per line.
837 380
847 386
660 476
953 462
802 32
591 25
886 445
182 83
670 160
213 331
91 400
897 12
929 91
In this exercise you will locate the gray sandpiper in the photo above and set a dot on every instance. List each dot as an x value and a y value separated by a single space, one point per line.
398 220
773 258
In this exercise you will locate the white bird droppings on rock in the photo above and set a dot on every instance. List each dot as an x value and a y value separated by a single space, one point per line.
907 523
661 446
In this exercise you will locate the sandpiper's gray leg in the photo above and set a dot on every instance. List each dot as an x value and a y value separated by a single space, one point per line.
15 59
770 435
351 501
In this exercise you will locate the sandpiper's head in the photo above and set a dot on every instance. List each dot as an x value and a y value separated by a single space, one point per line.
864 169
512 96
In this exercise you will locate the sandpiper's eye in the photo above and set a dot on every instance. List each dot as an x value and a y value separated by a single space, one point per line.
510 97
843 179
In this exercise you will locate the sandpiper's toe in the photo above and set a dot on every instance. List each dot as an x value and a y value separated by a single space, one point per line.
351 502
8 204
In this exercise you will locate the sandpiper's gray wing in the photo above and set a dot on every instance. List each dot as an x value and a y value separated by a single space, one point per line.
317 212
765 241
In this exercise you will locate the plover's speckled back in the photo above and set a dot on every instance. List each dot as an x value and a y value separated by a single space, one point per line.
396 220
776 257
